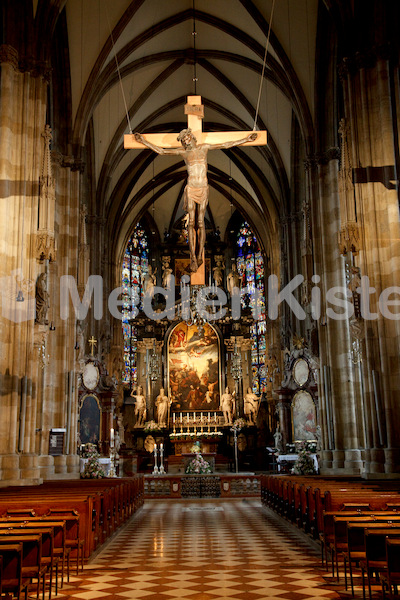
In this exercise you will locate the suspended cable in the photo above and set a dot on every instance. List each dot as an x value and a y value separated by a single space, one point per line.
194 33
118 70
264 63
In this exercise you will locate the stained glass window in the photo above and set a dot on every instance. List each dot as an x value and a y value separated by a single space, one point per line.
135 262
250 265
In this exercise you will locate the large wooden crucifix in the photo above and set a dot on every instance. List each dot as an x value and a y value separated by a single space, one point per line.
193 144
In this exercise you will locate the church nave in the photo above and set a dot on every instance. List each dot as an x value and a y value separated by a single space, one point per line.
203 550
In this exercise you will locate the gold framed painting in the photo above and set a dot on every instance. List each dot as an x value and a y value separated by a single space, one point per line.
194 371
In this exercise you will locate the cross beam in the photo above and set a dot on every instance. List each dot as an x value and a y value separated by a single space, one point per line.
195 114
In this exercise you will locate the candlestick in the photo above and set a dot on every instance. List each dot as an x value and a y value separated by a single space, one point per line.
155 470
161 469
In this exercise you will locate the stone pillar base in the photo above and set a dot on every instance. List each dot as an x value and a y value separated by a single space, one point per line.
392 460
73 464
353 462
10 467
46 464
60 464
374 464
29 468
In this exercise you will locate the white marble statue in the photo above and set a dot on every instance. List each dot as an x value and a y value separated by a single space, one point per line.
233 280
251 406
140 407
162 404
278 440
149 281
228 405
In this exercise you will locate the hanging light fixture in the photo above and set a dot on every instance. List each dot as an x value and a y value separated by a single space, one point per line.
153 364
236 365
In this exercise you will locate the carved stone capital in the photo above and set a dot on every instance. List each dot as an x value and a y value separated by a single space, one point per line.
148 344
310 163
365 60
69 162
323 158
9 55
95 220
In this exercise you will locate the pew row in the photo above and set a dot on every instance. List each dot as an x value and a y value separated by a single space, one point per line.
92 509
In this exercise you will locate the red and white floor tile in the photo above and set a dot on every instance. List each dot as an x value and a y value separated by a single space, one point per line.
203 550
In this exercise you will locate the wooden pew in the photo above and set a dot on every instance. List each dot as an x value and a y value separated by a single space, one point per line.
375 553
59 551
12 581
391 576
32 565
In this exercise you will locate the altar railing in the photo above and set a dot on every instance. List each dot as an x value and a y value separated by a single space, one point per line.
212 485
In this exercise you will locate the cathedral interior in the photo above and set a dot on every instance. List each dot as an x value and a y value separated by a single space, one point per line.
199 240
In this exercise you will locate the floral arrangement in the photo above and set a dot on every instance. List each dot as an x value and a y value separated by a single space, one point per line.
311 446
92 470
90 450
150 426
238 424
198 466
304 465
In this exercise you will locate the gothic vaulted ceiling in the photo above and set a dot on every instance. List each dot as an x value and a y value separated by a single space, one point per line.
141 57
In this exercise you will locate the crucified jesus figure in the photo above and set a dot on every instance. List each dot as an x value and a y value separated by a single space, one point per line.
196 190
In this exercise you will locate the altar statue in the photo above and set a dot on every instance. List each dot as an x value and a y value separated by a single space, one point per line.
140 406
149 281
218 274
42 299
278 440
233 280
227 405
251 406
162 404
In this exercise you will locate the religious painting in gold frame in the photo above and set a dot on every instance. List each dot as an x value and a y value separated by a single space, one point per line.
194 370
89 420
304 417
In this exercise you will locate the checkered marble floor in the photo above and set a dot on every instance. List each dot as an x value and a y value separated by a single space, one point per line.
203 550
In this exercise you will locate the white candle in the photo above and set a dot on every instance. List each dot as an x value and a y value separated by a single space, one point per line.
188 417
215 417
181 418
155 448
173 417
161 446
209 417
112 437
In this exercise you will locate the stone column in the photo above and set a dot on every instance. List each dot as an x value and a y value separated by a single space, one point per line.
337 396
368 102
